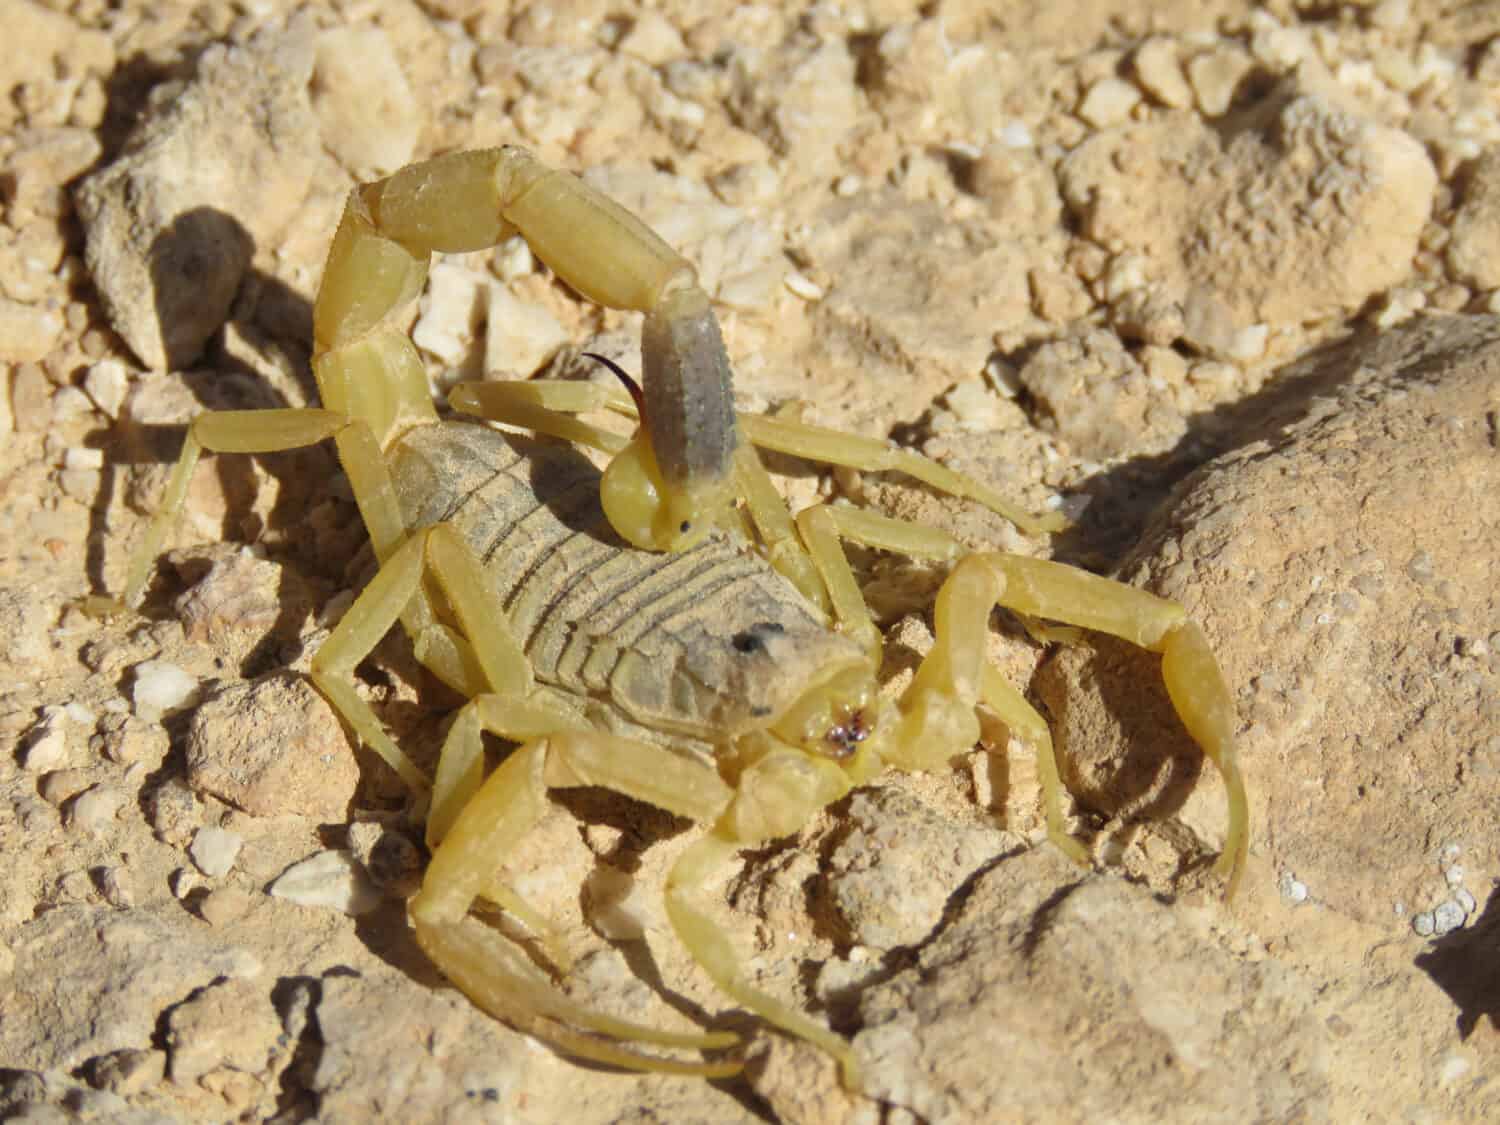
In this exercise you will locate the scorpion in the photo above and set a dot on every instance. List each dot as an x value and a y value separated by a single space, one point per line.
666 628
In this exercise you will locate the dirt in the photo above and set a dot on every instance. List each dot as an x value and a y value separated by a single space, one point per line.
1213 280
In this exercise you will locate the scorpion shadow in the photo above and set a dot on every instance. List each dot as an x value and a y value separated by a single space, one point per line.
1466 965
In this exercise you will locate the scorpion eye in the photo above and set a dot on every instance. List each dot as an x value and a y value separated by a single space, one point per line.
753 639
685 526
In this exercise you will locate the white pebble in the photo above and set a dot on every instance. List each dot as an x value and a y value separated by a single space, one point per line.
1215 76
161 687
1292 889
1447 918
1454 874
1465 900
80 713
107 384
512 259
1422 923
331 880
804 286
183 882
214 850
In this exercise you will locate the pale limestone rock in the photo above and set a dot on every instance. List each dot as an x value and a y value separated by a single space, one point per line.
271 747
161 687
216 166
1307 213
1158 68
330 880
1093 393
45 160
366 112
1108 102
1354 524
230 1024
45 745
1037 996
1215 76
90 980
895 869
27 332
1474 250
214 850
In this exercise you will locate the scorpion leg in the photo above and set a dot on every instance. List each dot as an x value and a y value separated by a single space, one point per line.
833 447
936 709
220 431
707 941
486 965
1195 683
545 407
956 675
473 824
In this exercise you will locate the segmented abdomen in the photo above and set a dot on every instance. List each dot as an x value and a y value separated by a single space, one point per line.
577 597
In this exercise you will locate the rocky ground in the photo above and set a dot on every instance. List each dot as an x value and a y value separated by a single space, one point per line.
1220 280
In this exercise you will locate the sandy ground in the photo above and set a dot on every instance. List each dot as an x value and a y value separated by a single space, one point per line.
1219 281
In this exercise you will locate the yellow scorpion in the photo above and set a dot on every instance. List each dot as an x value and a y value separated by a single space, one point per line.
668 630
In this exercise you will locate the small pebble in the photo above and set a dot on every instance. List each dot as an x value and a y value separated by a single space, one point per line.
174 812
1465 901
1215 77
224 906
107 384
183 882
1422 923
46 744
1159 71
1292 889
391 860
803 286
94 809
114 885
214 850
126 1072
161 687
1109 102
80 458
331 880
1447 918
